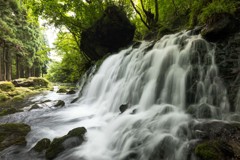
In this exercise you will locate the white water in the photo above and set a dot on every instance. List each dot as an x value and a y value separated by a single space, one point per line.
155 84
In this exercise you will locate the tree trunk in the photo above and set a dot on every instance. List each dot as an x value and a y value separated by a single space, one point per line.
8 65
17 67
1 62
4 64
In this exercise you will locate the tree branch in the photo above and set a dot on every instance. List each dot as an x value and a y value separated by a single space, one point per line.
139 15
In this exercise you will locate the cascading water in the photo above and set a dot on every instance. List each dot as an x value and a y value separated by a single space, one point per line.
158 83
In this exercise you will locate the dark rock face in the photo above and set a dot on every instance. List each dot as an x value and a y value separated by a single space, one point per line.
227 59
217 140
111 32
219 26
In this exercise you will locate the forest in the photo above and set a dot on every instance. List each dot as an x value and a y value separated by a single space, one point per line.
24 48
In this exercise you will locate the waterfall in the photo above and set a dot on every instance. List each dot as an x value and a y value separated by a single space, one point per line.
166 87
159 83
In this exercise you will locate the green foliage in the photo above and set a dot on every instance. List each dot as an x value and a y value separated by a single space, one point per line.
209 150
72 65
6 86
217 6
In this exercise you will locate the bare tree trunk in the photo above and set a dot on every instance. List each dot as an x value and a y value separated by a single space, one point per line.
1 63
17 67
8 65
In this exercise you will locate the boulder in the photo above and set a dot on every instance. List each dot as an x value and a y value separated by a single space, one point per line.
35 106
62 90
59 103
13 134
219 26
110 33
217 140
74 138
42 145
123 108
71 91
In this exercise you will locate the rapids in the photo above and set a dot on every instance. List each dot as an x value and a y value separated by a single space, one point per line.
168 86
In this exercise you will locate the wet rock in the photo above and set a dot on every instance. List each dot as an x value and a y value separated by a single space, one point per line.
220 141
71 92
123 108
203 110
59 103
13 134
75 100
35 106
74 138
110 33
219 26
214 150
8 111
62 90
42 145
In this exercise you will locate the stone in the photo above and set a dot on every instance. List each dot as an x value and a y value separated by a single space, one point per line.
219 26
62 90
108 34
71 92
13 134
59 103
123 108
35 106
42 145
74 138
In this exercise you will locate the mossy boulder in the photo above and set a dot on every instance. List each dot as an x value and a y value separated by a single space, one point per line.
110 33
214 150
62 90
36 82
74 138
8 111
3 97
6 86
42 145
13 134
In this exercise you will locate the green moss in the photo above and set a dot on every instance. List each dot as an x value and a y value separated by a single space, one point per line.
216 7
13 134
6 86
209 150
42 145
57 147
8 111
3 97
62 90
18 97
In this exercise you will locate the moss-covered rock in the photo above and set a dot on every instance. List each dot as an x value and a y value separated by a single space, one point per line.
214 150
35 82
8 111
58 145
42 145
6 86
35 106
13 134
3 97
62 90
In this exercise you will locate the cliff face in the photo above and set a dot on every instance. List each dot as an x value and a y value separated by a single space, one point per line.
223 29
